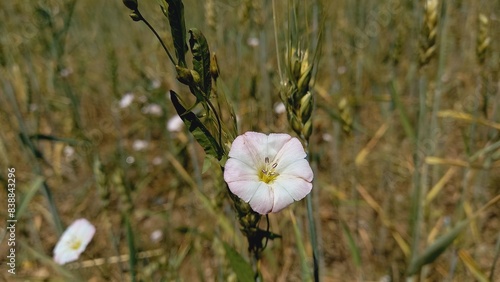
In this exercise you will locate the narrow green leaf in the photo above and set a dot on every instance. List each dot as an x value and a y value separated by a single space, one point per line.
175 15
433 251
131 248
403 115
201 59
196 127
356 256
207 164
35 185
301 249
239 265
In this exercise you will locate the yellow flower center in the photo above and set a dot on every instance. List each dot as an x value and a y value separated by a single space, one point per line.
75 244
268 173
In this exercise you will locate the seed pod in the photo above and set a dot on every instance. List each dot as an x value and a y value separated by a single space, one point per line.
296 124
307 130
187 76
135 17
214 67
483 39
131 4
305 78
306 107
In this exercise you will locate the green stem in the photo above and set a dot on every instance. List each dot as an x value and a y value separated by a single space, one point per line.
312 227
157 36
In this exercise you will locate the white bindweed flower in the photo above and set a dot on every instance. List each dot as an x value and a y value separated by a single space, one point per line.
126 100
253 41
268 171
140 145
73 241
152 109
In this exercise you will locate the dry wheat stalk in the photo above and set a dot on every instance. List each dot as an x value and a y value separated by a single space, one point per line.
429 33
483 38
296 95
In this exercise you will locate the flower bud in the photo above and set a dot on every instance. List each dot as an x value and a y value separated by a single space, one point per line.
135 17
131 4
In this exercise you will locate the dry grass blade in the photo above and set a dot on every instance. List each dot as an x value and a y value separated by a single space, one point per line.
439 185
385 220
361 157
468 118
434 250
115 259
472 266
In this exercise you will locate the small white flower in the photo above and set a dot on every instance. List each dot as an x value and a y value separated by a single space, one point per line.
68 151
157 161
155 83
130 160
66 72
73 241
253 41
175 124
279 108
327 137
156 236
268 171
140 145
126 100
152 109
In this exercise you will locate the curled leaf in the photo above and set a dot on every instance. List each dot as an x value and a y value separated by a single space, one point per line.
175 14
201 59
198 129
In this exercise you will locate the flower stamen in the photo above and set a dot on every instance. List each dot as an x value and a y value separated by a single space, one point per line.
268 174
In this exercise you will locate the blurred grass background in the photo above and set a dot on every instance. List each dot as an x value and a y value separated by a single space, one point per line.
72 138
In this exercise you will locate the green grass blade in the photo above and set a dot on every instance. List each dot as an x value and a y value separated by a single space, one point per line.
239 265
306 273
403 115
433 251
132 249
35 185
353 247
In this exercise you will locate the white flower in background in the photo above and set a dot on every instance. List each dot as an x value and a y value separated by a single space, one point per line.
130 160
155 83
156 236
279 108
69 153
140 145
152 109
327 137
126 100
73 241
175 124
65 72
253 41
157 161
268 171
